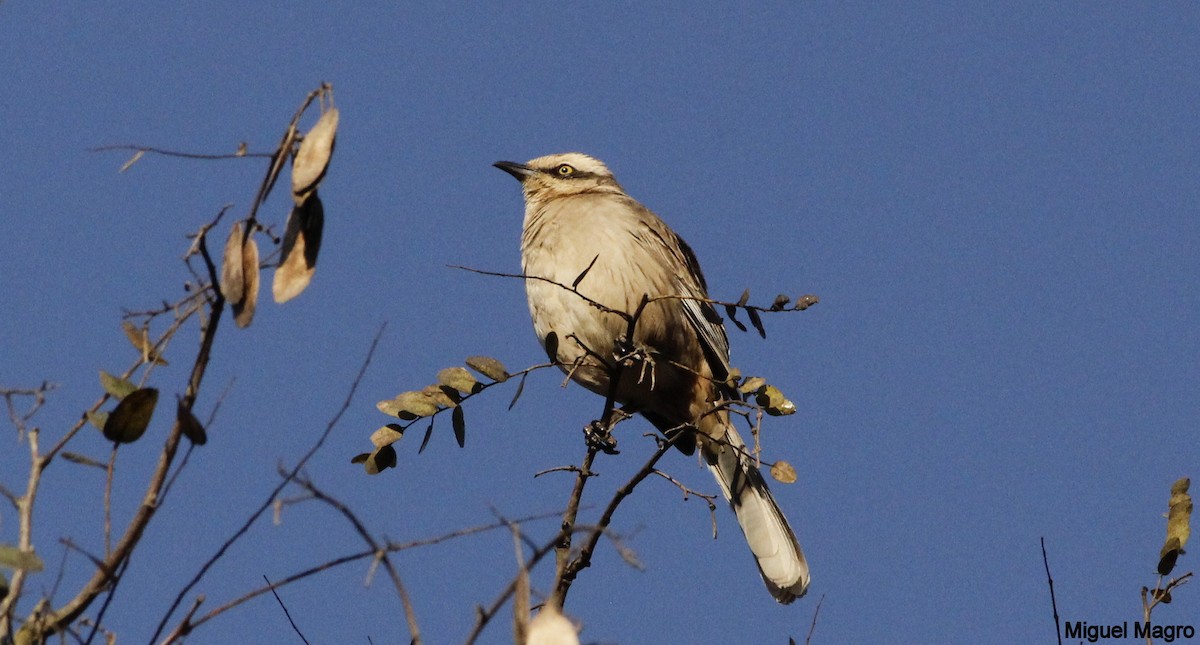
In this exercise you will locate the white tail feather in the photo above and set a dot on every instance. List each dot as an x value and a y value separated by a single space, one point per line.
780 559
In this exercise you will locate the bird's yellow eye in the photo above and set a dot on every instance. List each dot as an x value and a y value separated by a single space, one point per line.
565 170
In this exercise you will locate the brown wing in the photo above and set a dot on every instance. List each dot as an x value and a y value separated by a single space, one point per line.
702 315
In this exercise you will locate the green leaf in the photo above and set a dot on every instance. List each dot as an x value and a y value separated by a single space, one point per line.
130 419
97 419
425 439
116 386
14 558
731 314
752 384
756 320
489 367
520 389
550 344
460 426
774 402
744 299
82 460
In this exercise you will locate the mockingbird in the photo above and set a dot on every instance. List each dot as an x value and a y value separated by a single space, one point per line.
582 229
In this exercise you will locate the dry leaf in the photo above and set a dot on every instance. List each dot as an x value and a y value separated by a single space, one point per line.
489 367
804 302
459 379
441 395
243 312
409 406
1178 526
312 159
139 337
132 160
376 461
232 283
387 435
783 472
301 243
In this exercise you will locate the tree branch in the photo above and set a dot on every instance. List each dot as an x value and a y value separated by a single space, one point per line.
274 493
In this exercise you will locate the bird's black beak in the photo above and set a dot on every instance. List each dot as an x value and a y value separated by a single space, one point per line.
518 170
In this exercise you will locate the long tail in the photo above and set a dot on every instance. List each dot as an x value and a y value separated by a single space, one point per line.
780 559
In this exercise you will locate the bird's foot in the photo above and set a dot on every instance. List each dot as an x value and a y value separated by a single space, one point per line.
628 353
599 437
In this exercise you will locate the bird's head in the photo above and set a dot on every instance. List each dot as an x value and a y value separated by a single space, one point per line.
561 175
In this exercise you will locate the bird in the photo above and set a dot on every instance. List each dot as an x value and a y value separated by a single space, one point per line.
589 251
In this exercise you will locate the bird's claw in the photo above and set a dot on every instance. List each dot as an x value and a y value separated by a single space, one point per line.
599 437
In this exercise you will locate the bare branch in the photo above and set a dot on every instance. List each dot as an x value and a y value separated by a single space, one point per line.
274 493
175 153
410 614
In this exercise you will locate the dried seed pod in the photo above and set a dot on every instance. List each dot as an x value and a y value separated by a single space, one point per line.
312 159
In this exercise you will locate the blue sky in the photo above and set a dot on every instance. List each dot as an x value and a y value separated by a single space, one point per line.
996 204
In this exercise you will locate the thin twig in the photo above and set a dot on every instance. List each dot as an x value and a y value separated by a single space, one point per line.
108 484
410 614
584 558
173 153
285 611
563 548
602 307
105 580
274 493
813 626
1053 602
709 500
187 625
1160 594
